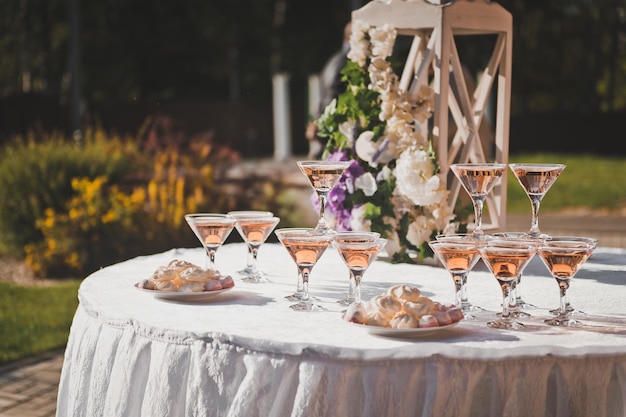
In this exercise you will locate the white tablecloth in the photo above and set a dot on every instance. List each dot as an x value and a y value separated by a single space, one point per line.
247 354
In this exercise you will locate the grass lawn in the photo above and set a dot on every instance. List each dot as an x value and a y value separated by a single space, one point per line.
35 319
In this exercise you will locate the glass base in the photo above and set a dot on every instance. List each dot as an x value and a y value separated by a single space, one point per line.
469 307
519 314
258 278
563 321
571 311
505 324
246 271
296 296
537 235
307 306
346 301
523 304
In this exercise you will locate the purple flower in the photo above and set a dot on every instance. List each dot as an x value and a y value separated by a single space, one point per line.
338 155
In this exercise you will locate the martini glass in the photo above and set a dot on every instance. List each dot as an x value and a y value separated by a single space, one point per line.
305 246
478 180
458 255
212 230
254 231
563 258
461 293
571 311
247 270
519 304
506 259
358 256
323 176
536 180
353 237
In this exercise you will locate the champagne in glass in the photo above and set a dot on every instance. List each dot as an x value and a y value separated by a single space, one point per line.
323 176
478 180
536 180
305 246
254 231
354 237
506 260
212 230
563 257
245 272
458 254
358 256
517 302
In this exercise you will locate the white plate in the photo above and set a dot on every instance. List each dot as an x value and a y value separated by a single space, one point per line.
391 332
183 296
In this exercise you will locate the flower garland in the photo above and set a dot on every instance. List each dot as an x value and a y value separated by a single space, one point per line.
392 186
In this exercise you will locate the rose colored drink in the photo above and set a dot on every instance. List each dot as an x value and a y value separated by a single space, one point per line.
212 235
478 180
563 259
305 246
536 180
458 257
358 256
506 260
212 230
254 231
305 254
323 176
353 237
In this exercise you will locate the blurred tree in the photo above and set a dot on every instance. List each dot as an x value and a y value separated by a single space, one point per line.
568 55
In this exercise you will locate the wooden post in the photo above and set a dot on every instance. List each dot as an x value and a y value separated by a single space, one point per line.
433 58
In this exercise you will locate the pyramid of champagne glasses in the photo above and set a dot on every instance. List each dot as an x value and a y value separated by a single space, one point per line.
505 254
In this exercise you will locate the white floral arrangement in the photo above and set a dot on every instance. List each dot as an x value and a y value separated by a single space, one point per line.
392 185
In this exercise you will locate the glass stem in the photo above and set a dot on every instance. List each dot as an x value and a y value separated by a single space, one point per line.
512 297
563 286
506 291
478 214
321 224
249 261
210 258
464 301
300 285
352 287
458 278
534 223
253 268
304 272
357 286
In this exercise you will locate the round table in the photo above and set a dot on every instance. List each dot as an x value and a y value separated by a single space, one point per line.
245 353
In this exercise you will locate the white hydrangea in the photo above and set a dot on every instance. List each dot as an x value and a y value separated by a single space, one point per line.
358 222
419 231
367 183
416 179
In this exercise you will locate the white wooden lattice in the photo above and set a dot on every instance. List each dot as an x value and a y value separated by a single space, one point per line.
434 29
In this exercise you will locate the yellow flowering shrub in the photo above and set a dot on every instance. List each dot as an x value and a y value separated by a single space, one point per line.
109 200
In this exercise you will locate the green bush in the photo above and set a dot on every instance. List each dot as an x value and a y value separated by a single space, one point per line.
36 174
84 207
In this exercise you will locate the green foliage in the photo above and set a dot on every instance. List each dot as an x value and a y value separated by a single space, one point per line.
36 174
85 207
34 320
